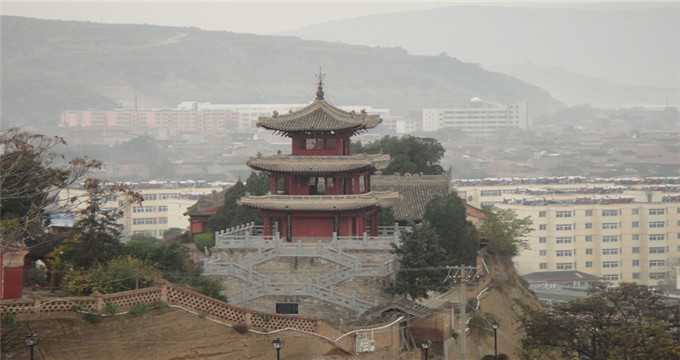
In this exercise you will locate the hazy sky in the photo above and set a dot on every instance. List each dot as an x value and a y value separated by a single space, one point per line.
258 17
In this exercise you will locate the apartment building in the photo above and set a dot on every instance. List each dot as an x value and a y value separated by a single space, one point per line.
181 120
163 207
619 229
479 118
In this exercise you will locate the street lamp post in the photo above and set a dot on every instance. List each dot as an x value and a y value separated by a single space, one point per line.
425 344
495 324
31 341
278 345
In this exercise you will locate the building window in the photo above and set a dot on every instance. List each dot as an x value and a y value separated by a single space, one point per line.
143 209
589 212
589 251
145 232
168 196
610 238
543 265
144 221
634 211
611 225
287 308
563 227
657 275
565 266
589 225
150 197
657 211
563 214
636 249
542 213
611 277
657 250
490 193
589 238
543 252
162 220
610 212
542 240
636 276
636 262
163 208
636 236
656 237
610 251
563 240
542 227
653 263
635 224
589 264
562 253
657 224
610 264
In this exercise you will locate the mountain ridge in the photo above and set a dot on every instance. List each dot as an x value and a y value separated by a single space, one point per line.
79 65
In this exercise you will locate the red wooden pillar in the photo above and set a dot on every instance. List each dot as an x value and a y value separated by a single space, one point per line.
267 224
374 223
273 188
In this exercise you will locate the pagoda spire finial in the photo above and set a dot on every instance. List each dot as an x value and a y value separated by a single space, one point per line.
319 91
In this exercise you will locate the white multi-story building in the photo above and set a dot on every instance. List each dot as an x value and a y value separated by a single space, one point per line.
480 119
622 232
162 208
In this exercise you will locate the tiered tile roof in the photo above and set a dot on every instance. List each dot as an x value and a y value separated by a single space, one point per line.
319 116
318 164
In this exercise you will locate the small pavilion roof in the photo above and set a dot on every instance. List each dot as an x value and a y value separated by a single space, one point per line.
320 202
318 164
415 192
319 116
207 204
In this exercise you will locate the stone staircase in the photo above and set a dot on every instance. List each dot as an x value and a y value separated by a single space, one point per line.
321 286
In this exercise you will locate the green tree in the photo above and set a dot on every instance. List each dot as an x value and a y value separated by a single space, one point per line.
421 263
504 231
627 321
231 213
258 183
98 232
458 236
409 154
171 259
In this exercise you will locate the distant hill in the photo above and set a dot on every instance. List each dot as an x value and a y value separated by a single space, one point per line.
48 66
624 43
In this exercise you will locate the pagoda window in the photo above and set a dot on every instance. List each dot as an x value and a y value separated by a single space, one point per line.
282 185
321 186
310 144
329 182
330 144
320 144
362 188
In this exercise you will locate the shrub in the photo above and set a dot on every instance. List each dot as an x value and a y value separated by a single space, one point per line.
111 308
204 241
138 309
481 323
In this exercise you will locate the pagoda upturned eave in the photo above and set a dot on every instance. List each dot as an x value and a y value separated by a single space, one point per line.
382 199
319 164
319 116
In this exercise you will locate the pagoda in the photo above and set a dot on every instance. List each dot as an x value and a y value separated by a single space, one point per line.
320 189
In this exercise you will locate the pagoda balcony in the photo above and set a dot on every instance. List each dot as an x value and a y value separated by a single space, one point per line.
251 236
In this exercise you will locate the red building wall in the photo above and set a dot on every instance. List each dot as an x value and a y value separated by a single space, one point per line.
12 275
